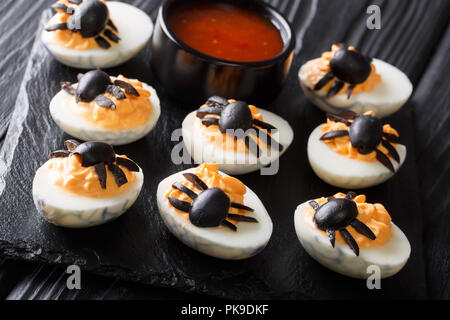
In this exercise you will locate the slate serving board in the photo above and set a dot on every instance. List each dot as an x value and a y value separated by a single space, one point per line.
138 247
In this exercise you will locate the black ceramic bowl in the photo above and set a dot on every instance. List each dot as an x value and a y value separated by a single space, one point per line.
193 76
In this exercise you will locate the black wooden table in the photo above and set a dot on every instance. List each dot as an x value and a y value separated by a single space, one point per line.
414 36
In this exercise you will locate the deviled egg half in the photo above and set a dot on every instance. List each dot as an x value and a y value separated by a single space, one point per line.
344 79
86 185
237 136
90 34
116 110
347 235
355 151
214 213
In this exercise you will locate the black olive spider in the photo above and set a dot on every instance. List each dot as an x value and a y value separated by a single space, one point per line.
100 155
210 207
338 213
236 119
365 133
90 18
346 66
94 83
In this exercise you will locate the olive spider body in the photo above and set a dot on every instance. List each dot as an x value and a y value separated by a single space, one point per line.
90 18
210 207
92 86
346 67
99 155
366 134
336 215
236 119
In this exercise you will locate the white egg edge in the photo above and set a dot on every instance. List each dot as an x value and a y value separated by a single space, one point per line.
343 172
219 242
66 209
230 162
395 89
81 129
118 53
390 258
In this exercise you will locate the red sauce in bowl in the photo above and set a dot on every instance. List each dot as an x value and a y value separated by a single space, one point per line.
225 31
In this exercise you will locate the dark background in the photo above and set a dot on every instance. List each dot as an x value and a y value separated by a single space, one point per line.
415 36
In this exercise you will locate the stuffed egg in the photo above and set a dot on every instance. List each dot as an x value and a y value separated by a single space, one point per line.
237 136
347 235
86 185
355 151
116 110
344 79
214 213
90 34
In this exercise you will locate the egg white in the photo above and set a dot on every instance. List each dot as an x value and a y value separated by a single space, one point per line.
66 209
134 29
235 163
390 258
387 97
81 129
343 172
219 242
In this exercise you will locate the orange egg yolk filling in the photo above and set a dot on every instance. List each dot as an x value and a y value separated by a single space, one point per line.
69 175
69 39
209 173
343 146
374 216
130 113
315 69
225 141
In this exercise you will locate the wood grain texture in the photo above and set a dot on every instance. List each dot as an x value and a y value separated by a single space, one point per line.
411 32
431 102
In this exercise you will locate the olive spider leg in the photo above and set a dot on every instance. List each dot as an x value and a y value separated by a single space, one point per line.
391 150
129 89
339 118
115 91
324 80
102 42
358 225
191 194
127 163
335 88
314 204
267 139
252 145
71 144
59 26
349 90
332 236
349 240
119 176
62 7
363 229
391 137
112 25
210 121
179 204
384 160
350 195
100 170
334 134
263 125
202 112
330 232
111 36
